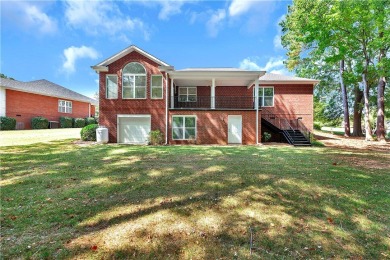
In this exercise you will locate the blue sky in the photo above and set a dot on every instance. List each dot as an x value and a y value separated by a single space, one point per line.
60 40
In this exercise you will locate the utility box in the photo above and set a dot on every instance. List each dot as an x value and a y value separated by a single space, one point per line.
102 135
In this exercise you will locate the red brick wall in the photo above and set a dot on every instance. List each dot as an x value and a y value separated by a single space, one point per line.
24 106
293 101
110 108
212 126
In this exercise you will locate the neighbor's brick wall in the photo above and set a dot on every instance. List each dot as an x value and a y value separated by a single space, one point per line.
212 126
110 108
293 101
24 106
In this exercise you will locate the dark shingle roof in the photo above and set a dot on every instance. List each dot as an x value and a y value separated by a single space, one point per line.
46 88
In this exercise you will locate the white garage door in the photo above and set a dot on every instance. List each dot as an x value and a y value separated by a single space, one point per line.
133 129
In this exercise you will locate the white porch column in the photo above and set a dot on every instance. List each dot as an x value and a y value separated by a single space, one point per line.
257 109
172 95
212 96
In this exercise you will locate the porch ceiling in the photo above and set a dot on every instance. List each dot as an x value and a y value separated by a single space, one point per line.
222 77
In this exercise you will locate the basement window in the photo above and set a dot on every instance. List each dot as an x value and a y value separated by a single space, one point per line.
183 127
65 106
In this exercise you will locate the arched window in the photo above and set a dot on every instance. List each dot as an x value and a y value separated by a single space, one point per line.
133 81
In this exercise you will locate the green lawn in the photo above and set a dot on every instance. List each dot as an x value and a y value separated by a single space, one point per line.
62 200
23 137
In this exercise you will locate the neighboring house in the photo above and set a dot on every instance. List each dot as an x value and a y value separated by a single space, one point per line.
25 100
139 93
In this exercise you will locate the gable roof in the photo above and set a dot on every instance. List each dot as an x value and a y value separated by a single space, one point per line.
272 78
102 66
45 88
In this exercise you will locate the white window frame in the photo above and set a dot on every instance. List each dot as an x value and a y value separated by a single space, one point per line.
131 75
184 127
65 106
154 87
187 95
262 97
107 76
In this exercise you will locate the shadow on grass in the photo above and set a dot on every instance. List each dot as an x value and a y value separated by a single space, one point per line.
191 202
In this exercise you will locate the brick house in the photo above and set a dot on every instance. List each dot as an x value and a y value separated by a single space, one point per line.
25 100
139 93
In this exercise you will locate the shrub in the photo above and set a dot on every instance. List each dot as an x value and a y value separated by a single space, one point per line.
90 121
156 137
88 133
7 123
39 122
78 122
317 125
267 136
66 122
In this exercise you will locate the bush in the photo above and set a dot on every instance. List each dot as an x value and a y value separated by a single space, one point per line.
78 122
317 125
7 123
90 121
267 136
156 137
66 122
88 133
39 122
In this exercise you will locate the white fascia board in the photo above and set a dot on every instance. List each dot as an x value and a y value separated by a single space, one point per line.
127 51
100 68
214 74
291 82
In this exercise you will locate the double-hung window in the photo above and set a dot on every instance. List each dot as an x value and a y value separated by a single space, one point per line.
134 81
156 87
266 96
183 127
187 94
64 106
111 86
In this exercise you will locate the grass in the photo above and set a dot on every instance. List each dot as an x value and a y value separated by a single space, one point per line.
24 137
62 200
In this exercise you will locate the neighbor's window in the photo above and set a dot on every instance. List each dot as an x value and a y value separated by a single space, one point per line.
112 86
266 96
156 90
64 106
183 127
133 81
187 94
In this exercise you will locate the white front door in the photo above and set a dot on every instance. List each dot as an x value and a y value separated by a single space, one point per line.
235 129
133 129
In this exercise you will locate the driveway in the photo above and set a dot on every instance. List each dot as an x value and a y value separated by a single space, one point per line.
25 137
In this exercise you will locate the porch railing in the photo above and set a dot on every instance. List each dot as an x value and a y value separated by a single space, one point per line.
219 102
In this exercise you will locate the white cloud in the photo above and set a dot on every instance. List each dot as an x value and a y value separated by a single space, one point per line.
277 38
28 16
274 65
239 7
170 8
97 17
215 22
72 54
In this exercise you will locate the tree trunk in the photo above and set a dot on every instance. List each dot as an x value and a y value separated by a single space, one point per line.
347 130
380 120
357 112
366 94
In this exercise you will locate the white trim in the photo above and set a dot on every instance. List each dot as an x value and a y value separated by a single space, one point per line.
162 86
289 82
184 116
102 66
172 95
257 109
212 94
3 101
110 75
166 109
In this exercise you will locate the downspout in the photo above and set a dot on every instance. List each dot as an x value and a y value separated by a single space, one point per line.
166 108
257 109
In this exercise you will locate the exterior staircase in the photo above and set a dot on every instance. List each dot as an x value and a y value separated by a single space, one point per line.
295 134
